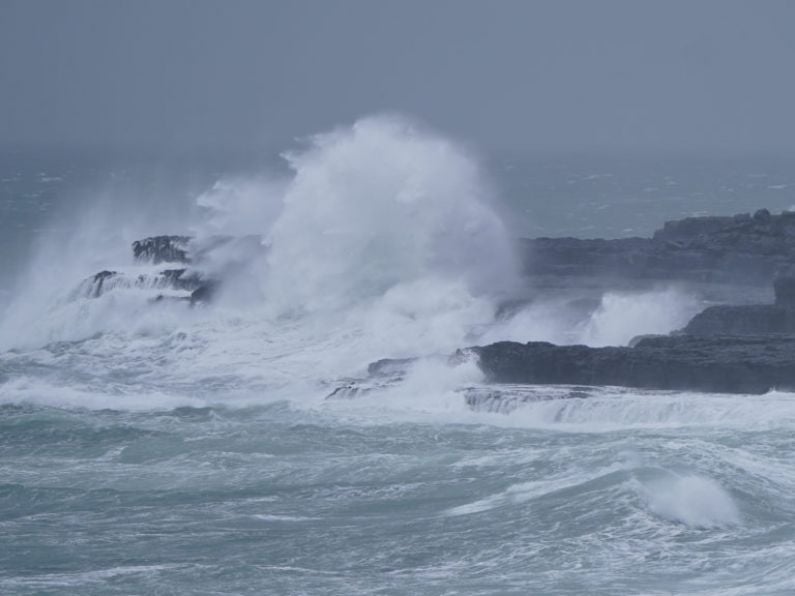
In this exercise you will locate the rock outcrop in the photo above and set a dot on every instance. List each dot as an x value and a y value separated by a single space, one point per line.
725 348
746 348
743 248
749 319
178 280
162 249
709 364
193 286
192 269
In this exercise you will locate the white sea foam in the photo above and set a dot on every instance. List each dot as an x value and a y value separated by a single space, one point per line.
693 500
524 492
604 410
619 317
30 390
622 316
378 205
382 243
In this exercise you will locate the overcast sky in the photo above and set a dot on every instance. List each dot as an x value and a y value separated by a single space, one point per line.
665 75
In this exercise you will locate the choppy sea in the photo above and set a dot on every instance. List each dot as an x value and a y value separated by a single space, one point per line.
154 448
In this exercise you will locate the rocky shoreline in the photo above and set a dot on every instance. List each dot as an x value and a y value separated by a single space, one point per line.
728 347
717 364
741 249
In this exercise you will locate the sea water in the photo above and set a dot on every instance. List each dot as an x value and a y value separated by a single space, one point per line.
153 448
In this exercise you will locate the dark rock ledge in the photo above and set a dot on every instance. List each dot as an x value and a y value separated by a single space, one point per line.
162 249
708 364
741 249
728 348
177 274
725 348
731 348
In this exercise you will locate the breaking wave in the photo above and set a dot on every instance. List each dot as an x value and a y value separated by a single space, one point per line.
384 241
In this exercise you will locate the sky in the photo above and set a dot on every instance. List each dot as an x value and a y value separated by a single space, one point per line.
521 76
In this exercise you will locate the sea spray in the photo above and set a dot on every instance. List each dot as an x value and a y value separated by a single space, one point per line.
690 499
261 483
614 319
383 241
380 204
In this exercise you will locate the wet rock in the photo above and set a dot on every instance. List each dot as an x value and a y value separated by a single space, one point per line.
504 399
160 298
183 279
390 367
99 282
708 364
762 215
740 248
204 293
168 279
162 249
751 319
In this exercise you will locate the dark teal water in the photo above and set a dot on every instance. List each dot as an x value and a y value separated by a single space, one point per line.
157 452
277 500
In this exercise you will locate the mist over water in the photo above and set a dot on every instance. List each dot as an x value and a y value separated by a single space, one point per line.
211 427
191 449
381 241
383 204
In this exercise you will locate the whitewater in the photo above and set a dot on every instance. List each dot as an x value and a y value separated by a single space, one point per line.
150 447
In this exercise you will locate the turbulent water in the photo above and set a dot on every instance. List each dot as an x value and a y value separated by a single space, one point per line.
149 447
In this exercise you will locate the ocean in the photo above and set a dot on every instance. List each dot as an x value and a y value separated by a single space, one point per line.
152 447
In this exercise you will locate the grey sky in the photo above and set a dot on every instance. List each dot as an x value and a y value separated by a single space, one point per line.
671 75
